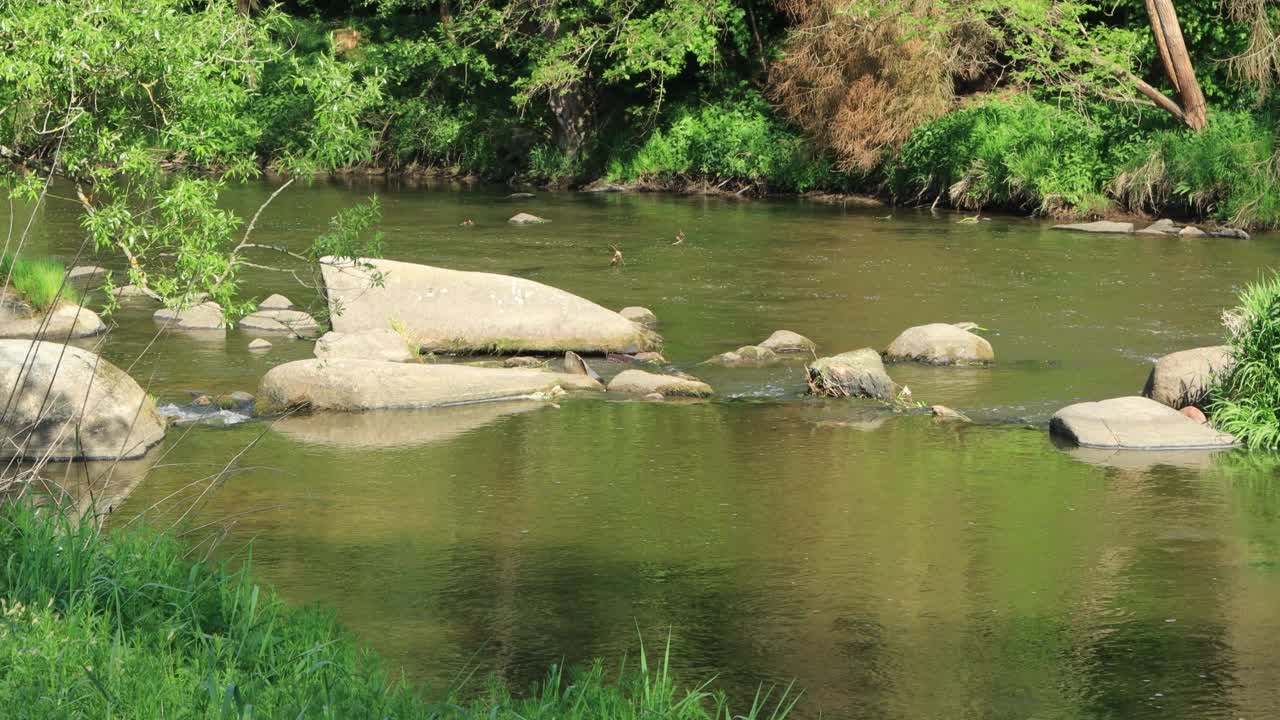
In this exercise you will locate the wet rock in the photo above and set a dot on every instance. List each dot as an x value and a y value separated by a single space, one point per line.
1191 231
575 365
1231 234
276 302
64 321
526 219
385 345
746 356
639 382
859 373
202 401
259 345
1133 423
1101 226
129 291
1184 378
522 361
237 400
349 384
69 404
205 316
784 342
294 322
650 357
1163 226
942 412
450 310
1194 413
86 273
643 316
940 344
655 397
520 196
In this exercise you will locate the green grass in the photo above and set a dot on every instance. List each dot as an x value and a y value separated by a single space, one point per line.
39 280
120 625
1246 400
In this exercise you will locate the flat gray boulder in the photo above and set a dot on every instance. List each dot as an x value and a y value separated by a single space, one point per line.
746 356
205 316
1184 378
351 384
1134 423
639 382
1101 226
452 310
940 344
385 345
644 316
785 341
64 321
859 373
295 322
66 403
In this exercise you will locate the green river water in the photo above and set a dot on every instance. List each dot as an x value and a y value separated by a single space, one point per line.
891 565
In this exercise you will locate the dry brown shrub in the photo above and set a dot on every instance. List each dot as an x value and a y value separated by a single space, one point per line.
858 76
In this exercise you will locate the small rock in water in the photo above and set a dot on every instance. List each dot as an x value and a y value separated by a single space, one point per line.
1163 226
650 357
1194 413
85 273
1191 231
1231 233
785 341
655 397
202 401
643 316
942 412
519 195
205 316
858 373
940 344
522 361
276 302
526 219
639 382
260 345
746 356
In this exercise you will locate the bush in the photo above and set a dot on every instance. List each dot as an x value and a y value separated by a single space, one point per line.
726 141
1246 400
41 281
1007 152
122 626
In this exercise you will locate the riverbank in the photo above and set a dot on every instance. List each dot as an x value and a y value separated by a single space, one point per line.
123 624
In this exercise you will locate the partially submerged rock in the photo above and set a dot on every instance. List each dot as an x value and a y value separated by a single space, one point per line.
129 291
940 344
942 412
294 322
1191 231
205 316
522 361
1230 233
64 321
350 384
639 382
1163 226
575 365
643 316
1134 423
1184 378
86 273
276 302
746 356
650 357
66 403
451 310
385 345
526 219
259 345
859 373
1100 226
784 342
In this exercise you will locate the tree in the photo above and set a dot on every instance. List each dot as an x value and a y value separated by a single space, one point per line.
1177 65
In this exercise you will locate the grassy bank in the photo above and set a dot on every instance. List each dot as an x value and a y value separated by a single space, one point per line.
121 625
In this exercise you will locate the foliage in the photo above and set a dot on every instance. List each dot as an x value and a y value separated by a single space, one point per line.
107 94
122 626
1246 400
41 281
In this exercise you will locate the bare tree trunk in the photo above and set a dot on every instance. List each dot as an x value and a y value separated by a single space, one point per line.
1177 63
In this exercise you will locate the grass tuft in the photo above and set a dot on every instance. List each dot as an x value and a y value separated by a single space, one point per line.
1246 399
41 281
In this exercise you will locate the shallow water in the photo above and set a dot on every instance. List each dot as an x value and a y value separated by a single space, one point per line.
893 566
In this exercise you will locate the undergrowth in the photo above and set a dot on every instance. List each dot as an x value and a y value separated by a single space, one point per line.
1246 399
120 625
41 281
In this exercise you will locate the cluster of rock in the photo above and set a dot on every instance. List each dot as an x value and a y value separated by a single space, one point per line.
1159 227
276 314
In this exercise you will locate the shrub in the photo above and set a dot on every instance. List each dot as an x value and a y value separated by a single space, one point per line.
1246 400
41 281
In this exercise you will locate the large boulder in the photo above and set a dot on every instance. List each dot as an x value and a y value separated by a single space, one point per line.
1101 226
294 322
1184 378
385 345
859 373
639 382
452 310
351 384
940 344
1134 423
65 403
785 341
64 321
205 316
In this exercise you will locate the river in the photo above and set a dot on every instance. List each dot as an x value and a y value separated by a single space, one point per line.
892 565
